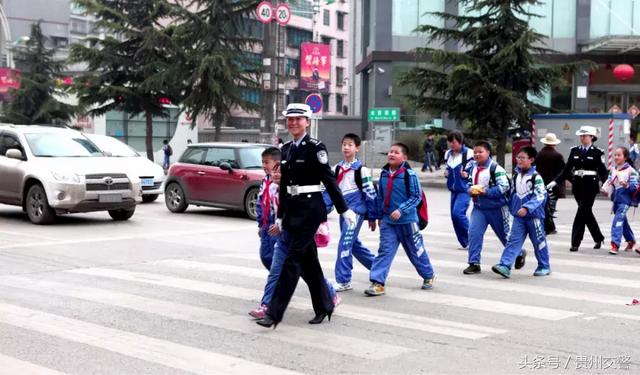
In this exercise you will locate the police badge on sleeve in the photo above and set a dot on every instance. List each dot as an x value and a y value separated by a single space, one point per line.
323 158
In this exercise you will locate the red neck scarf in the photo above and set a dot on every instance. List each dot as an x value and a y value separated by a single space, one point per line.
387 195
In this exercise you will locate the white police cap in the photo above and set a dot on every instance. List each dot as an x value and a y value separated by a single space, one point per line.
297 110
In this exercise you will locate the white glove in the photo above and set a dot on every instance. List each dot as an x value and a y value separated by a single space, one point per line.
551 185
279 224
349 218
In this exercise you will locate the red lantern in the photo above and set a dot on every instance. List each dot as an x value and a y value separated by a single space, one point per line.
623 72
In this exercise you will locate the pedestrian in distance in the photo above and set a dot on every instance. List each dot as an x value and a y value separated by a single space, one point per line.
429 157
620 186
305 169
356 185
456 159
489 188
584 169
265 215
280 249
526 204
549 164
634 151
441 147
399 194
167 152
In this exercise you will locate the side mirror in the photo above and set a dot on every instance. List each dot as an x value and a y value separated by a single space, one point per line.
226 167
14 153
107 153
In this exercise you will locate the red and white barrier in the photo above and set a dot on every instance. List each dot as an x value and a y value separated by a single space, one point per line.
610 147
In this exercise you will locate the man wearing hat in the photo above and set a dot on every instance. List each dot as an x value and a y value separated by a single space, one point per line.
304 170
549 164
585 166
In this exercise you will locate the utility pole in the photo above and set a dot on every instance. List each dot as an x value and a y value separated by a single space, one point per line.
269 88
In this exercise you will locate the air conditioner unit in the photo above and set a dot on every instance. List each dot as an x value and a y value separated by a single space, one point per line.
292 72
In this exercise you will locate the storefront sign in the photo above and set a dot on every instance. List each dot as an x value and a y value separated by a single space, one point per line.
384 114
315 67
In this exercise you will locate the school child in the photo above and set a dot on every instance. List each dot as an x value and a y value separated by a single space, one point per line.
396 206
488 186
356 185
620 186
265 216
527 207
280 251
457 158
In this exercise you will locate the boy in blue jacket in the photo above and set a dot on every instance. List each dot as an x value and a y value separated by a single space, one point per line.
457 158
488 186
527 207
398 221
265 216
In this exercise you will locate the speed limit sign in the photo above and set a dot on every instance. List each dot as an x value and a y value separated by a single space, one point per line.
264 12
283 14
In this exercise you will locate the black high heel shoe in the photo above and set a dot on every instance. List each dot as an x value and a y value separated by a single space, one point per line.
267 322
319 318
598 245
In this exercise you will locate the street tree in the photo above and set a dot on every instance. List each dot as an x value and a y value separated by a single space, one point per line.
37 101
128 67
215 68
489 81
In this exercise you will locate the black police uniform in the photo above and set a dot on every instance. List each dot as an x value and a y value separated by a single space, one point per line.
583 169
304 165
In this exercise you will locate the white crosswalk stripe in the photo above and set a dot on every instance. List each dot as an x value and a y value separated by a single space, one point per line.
14 366
401 320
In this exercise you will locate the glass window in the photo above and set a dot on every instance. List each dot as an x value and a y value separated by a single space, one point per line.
193 155
339 100
564 19
340 48
61 145
339 76
325 102
615 17
251 95
293 67
251 158
341 18
216 156
302 8
295 37
326 17
408 14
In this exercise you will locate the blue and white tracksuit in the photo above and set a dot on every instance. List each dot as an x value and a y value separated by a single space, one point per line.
362 202
403 231
265 219
459 192
532 195
621 197
634 152
488 209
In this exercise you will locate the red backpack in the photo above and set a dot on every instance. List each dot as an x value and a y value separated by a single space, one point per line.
423 208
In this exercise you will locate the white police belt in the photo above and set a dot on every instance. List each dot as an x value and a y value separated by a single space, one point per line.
584 172
297 190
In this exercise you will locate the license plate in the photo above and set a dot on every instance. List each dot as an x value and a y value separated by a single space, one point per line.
110 198
146 182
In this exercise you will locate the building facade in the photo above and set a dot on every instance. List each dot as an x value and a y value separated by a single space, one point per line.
606 32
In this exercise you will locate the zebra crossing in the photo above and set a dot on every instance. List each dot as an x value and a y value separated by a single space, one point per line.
188 315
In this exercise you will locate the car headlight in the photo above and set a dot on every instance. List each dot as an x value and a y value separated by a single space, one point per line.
66 177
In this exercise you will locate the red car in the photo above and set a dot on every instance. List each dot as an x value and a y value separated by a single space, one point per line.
224 175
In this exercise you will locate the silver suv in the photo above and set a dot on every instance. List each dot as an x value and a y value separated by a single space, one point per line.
49 170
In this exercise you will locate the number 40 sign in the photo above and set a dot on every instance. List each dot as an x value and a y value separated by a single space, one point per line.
266 12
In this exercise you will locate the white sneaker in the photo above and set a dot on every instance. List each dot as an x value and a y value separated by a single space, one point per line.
343 287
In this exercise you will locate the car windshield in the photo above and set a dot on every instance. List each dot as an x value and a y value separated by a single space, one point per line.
113 146
251 158
61 145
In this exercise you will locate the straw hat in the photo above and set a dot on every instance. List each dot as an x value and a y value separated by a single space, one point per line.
550 139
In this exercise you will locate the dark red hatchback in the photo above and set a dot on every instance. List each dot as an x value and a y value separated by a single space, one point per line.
224 175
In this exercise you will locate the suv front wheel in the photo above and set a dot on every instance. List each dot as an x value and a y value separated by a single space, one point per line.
37 206
122 214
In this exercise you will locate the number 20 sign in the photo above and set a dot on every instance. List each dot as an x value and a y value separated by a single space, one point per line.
266 13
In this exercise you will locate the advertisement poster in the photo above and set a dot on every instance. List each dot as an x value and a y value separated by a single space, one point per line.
315 67
9 78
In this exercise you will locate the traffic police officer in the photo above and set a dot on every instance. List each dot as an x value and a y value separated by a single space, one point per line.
305 168
583 169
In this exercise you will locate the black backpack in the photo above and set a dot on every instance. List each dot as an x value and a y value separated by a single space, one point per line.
357 174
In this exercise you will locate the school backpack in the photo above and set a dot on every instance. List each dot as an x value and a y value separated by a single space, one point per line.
492 179
423 208
635 197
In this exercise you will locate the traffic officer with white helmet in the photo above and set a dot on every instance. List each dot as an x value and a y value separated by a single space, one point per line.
585 166
305 169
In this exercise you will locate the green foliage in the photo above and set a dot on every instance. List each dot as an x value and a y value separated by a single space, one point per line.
35 101
486 84
213 66
128 69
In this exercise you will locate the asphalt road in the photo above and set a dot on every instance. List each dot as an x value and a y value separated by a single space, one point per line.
169 293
